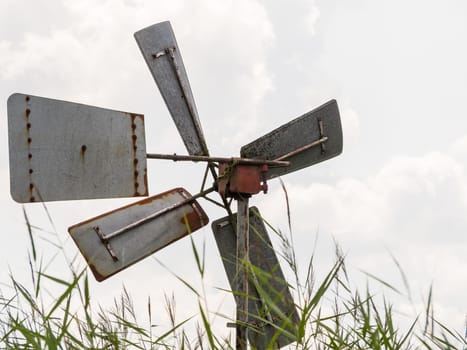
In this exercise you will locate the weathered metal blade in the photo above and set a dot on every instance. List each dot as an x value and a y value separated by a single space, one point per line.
162 55
113 241
63 151
307 140
268 286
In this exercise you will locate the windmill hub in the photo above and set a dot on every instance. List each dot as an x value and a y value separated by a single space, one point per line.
241 180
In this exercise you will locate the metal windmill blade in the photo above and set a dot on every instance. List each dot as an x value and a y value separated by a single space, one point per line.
160 50
312 138
116 240
64 151
270 303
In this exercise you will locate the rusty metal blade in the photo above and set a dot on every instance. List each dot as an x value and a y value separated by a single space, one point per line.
307 140
63 151
269 280
160 50
111 242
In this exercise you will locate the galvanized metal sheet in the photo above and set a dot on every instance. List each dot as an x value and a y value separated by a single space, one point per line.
270 280
162 55
296 135
122 248
62 151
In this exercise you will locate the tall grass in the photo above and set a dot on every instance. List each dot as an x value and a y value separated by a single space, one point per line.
332 313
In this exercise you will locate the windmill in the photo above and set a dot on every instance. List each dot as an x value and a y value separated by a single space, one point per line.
62 150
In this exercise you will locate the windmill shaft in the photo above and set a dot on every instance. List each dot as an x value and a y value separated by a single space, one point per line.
248 161
242 273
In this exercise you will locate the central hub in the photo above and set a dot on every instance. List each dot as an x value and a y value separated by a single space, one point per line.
241 179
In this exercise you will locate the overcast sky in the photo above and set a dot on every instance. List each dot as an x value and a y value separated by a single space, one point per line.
397 69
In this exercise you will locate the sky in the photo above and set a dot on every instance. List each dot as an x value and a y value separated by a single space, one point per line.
397 69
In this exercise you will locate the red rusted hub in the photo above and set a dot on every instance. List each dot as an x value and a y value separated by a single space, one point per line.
241 179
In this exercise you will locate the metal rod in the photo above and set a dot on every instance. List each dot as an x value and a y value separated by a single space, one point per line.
205 177
177 157
106 237
243 260
191 108
214 202
304 148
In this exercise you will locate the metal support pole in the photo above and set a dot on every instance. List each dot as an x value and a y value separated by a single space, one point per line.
243 221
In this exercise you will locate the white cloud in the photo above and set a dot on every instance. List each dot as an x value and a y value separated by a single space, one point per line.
311 18
406 198
350 125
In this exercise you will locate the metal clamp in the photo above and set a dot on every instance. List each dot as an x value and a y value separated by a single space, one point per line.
105 241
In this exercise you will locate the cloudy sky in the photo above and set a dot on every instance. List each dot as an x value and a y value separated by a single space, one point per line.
397 69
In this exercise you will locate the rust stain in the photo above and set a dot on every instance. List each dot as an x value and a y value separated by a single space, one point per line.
27 98
145 178
29 140
196 218
31 196
135 116
138 182
135 148
191 221
99 277
83 151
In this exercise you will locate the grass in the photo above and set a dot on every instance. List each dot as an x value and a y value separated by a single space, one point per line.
332 314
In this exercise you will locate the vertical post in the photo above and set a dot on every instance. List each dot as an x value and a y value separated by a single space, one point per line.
243 221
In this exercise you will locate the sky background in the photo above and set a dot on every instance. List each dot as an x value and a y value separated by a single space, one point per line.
397 69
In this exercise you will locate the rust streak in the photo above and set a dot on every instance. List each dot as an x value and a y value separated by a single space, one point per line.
83 151
31 188
135 148
145 178
29 140
191 221
96 273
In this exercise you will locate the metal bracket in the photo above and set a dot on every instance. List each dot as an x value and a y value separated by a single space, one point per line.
321 135
167 51
105 240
